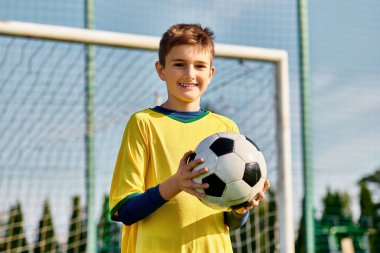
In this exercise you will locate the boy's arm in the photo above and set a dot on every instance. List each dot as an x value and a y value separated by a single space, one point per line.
140 206
235 220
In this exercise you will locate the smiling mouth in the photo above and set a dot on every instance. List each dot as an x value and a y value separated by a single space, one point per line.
188 85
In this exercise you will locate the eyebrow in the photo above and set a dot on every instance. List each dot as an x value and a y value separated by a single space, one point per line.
182 60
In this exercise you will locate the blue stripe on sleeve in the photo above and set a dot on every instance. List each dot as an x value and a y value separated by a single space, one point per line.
140 206
234 220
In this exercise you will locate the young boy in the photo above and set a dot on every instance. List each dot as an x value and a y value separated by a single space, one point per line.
154 197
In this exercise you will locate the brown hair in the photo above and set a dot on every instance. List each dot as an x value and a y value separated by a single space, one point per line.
186 34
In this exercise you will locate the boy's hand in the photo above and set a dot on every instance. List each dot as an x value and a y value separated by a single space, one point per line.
185 175
182 180
256 201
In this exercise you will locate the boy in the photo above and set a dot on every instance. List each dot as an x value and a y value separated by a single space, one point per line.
151 194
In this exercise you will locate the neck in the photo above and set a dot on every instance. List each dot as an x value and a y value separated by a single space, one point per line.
183 107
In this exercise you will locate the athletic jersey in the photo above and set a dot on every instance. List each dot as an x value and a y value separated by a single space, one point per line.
151 148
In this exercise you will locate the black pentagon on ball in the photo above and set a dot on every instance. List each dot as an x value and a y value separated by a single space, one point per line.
216 185
222 146
252 173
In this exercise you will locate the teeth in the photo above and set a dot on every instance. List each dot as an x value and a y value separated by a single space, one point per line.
188 84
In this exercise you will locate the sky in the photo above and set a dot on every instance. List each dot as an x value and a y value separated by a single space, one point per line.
345 57
344 67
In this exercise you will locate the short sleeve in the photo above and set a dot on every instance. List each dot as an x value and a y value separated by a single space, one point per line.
131 164
235 128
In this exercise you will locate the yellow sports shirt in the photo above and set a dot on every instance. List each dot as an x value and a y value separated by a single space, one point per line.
151 148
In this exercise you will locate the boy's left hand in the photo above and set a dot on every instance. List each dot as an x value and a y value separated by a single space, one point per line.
255 201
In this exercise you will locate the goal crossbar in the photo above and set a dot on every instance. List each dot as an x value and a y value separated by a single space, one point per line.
115 39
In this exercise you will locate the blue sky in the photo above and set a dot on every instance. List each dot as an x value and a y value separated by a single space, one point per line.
344 61
345 57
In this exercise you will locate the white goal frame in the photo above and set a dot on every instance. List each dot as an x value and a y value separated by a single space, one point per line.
278 57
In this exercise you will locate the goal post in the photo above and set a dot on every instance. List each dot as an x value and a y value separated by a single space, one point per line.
252 89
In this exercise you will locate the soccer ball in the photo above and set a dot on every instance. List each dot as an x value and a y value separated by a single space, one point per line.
236 170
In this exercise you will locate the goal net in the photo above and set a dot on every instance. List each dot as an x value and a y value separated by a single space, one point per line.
47 193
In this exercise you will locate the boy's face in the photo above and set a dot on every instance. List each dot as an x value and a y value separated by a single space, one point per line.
187 74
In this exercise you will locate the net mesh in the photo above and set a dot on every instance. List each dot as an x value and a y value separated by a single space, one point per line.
42 121
344 55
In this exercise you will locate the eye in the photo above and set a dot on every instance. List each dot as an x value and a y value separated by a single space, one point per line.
201 66
178 64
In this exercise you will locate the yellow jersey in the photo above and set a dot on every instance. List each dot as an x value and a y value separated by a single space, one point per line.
152 146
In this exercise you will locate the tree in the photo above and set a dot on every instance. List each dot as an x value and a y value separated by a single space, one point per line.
370 211
77 231
108 231
367 207
46 240
300 244
336 209
336 213
15 239
374 178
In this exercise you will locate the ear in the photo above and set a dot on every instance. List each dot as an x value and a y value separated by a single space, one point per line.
212 71
160 70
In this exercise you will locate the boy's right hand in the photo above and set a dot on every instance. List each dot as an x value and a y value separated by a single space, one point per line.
186 174
182 180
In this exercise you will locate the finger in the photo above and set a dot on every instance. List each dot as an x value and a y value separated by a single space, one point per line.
254 202
260 196
266 185
194 163
190 184
250 205
185 157
195 173
189 167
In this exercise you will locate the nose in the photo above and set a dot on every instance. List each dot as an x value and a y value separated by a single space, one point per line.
190 73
